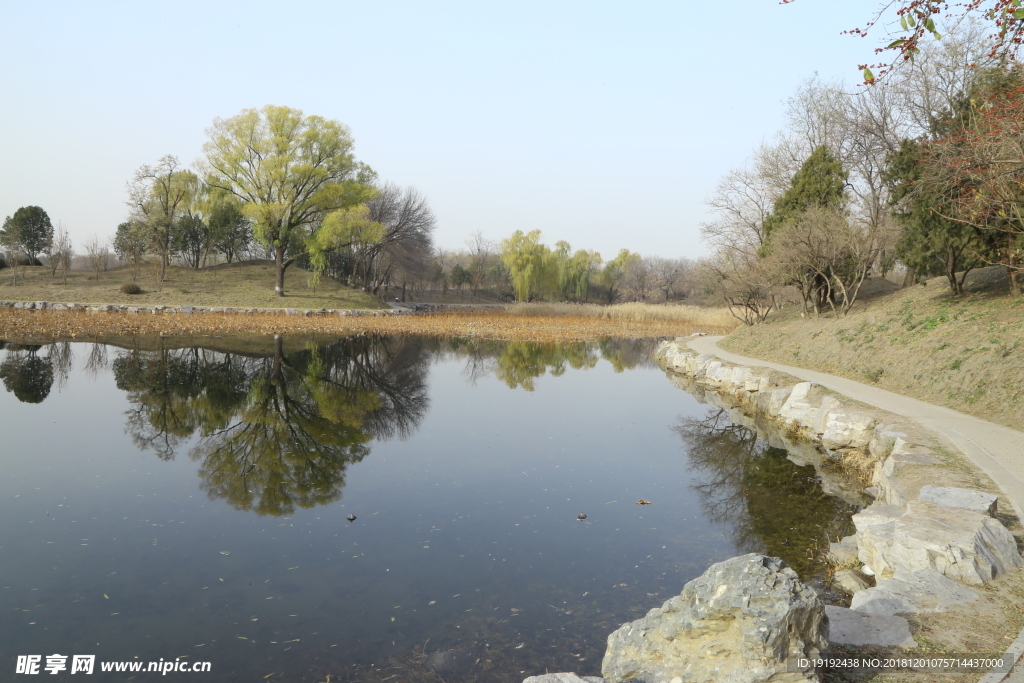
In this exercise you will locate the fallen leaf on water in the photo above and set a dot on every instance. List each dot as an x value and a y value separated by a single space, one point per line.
106 596
225 552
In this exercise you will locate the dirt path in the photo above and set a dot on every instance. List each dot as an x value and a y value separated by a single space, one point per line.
997 450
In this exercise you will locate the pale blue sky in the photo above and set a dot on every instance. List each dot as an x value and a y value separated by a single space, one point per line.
602 123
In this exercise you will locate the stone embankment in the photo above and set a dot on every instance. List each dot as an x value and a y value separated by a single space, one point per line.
194 310
929 534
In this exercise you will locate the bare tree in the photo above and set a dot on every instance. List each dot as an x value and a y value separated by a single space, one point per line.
98 253
158 196
63 251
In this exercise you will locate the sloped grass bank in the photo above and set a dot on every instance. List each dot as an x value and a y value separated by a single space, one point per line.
248 284
965 353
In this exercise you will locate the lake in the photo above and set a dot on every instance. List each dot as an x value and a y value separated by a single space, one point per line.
169 498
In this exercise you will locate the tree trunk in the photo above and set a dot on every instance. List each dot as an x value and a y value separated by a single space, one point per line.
909 278
279 262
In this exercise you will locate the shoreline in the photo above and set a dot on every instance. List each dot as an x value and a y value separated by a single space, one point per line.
884 436
44 321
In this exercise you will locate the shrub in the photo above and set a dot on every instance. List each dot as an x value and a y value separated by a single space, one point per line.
131 288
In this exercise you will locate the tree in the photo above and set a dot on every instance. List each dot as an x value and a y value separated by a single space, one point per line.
291 172
524 256
31 229
131 243
230 230
916 19
978 169
98 254
930 242
820 182
190 239
614 272
63 252
159 196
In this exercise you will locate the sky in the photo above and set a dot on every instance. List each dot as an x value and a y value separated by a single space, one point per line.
605 124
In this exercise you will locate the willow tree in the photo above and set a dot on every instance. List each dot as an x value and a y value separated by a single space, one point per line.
291 171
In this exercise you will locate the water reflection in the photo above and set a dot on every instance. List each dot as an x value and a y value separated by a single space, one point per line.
277 432
518 364
771 504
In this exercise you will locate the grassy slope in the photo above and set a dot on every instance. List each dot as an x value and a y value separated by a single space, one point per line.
242 285
967 353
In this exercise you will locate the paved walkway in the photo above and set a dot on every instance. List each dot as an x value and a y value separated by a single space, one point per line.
997 450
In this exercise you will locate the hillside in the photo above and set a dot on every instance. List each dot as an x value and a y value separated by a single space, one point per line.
249 284
965 353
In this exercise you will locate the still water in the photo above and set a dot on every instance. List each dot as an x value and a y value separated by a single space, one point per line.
191 498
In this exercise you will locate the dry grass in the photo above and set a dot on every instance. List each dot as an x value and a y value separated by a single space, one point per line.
42 326
696 315
965 353
239 285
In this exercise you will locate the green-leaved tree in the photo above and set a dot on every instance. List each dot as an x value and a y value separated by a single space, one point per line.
291 171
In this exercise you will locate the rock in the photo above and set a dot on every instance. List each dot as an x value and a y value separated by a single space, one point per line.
828 404
901 476
797 409
961 544
843 552
744 620
883 440
771 402
187 310
849 627
850 581
949 496
846 429
924 590
872 491
563 678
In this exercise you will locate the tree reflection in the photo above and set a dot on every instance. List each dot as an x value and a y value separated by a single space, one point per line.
276 432
518 364
26 374
772 505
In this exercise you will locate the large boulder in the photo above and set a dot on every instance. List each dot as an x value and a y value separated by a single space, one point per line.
846 429
563 678
900 478
924 590
962 544
745 620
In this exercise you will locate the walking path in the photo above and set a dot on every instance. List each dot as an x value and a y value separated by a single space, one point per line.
997 450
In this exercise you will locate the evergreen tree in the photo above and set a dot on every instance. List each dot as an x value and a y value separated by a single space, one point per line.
819 183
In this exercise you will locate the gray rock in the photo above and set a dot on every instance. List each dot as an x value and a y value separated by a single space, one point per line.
883 440
961 544
771 402
563 678
901 476
849 627
828 404
924 590
798 410
850 581
745 620
978 501
846 429
186 310
843 552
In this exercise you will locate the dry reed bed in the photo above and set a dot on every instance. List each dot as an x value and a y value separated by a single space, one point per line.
42 326
698 315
